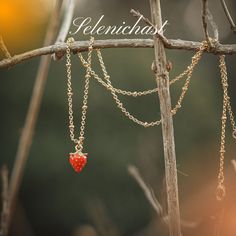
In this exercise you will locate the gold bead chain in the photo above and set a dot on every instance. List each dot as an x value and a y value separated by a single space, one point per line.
117 100
220 191
80 140
195 60
189 71
107 84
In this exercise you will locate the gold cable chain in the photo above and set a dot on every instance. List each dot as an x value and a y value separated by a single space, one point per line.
70 90
224 76
195 59
108 85
78 142
221 191
117 100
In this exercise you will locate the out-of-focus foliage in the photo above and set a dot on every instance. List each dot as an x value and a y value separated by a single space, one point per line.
55 200
22 23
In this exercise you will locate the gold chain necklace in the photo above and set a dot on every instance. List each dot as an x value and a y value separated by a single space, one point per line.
220 191
79 159
106 82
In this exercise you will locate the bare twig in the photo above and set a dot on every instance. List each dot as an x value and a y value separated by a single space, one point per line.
148 22
206 15
31 118
204 21
162 78
133 171
230 19
4 213
213 25
101 219
68 16
4 49
81 46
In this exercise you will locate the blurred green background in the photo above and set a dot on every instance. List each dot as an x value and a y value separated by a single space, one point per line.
104 199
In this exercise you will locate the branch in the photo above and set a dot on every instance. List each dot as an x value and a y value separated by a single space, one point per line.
31 117
230 19
213 25
4 48
5 212
149 194
204 20
101 219
68 16
148 22
206 15
133 171
162 79
81 46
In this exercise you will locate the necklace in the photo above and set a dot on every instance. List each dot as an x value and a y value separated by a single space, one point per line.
106 82
78 159
220 190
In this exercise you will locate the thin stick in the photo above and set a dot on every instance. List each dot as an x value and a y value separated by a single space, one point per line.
230 19
206 15
148 22
162 78
81 46
31 118
5 212
133 171
68 16
101 219
204 21
4 49
149 194
213 25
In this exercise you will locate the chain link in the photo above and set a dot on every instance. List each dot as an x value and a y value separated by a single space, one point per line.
106 82
108 85
195 60
78 142
70 90
221 191
189 71
117 100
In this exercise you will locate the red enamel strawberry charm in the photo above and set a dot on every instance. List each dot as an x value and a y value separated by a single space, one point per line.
78 161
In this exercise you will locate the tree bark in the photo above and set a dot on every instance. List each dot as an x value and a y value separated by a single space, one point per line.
162 77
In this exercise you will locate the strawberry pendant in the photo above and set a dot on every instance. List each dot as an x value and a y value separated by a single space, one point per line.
78 160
